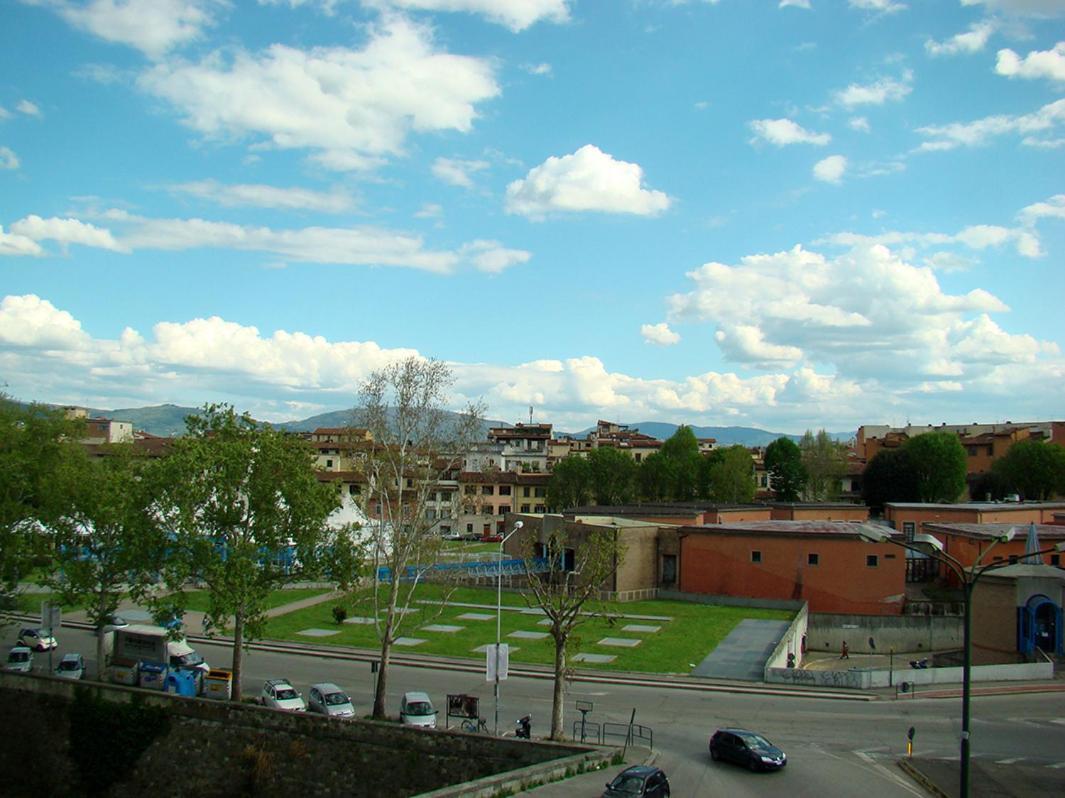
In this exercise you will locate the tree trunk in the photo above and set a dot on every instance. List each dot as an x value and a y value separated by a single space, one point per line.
101 653
238 653
557 730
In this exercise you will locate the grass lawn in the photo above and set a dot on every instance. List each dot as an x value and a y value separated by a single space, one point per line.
198 600
692 632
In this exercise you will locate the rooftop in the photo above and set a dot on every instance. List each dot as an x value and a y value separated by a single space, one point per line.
788 528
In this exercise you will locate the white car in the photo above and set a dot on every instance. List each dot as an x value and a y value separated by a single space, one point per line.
416 709
280 694
19 660
330 700
36 638
72 666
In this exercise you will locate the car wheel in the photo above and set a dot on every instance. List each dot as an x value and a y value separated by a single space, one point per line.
714 755
752 763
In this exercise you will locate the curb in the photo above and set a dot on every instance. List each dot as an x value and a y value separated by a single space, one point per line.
921 779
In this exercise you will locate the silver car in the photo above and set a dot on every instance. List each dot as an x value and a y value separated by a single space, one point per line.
416 709
19 660
330 700
72 666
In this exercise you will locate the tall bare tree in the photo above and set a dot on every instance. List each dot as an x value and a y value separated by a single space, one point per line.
417 443
578 566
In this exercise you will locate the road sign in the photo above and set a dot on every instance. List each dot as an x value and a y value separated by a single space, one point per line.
51 616
491 660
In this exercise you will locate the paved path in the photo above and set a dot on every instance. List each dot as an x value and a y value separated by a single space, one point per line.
743 653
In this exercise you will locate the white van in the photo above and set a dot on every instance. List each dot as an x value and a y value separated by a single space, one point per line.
417 710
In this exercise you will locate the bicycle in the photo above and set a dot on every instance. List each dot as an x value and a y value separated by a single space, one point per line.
475 725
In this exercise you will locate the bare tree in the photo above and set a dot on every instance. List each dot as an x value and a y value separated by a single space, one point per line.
567 570
417 444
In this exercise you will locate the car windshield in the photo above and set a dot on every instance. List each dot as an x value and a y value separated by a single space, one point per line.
285 694
756 741
69 665
336 699
18 656
419 708
632 785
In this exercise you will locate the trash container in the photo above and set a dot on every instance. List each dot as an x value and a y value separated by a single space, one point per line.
152 675
182 683
124 671
218 684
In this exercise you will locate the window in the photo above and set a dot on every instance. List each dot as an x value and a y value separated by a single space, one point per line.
328 463
410 483
525 508
354 490
469 529
909 529
504 490
972 451
430 514
471 489
539 509
487 529
1055 559
502 509
871 560
445 530
756 556
540 493
488 490
669 568
1013 559
813 559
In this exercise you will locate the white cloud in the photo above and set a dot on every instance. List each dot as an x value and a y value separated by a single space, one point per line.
974 134
352 108
782 132
1033 8
805 4
514 14
881 6
492 257
29 321
587 180
1053 208
430 210
859 123
27 107
456 171
66 231
976 237
152 26
4 113
972 41
1048 64
538 69
659 334
8 159
876 93
264 196
15 245
831 169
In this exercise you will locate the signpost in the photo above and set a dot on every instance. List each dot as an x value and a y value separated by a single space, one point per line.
584 707
51 618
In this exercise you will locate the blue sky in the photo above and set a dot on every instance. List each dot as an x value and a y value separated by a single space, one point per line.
777 213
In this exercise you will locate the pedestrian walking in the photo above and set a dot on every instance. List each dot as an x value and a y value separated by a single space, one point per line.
844 652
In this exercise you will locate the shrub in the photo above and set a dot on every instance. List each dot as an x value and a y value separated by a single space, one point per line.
339 614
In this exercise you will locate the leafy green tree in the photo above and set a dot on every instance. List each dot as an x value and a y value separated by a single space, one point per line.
938 463
613 475
655 478
35 442
787 475
571 483
825 461
888 477
236 496
108 542
681 452
417 442
578 569
731 476
1032 469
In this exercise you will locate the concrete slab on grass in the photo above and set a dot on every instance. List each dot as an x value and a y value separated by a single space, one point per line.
619 642
477 616
600 659
486 646
319 632
442 627
408 641
523 635
640 629
361 620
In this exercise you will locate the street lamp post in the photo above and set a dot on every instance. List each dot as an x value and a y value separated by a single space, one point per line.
499 613
968 578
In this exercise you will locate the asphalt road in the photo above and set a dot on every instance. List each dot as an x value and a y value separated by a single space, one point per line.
835 748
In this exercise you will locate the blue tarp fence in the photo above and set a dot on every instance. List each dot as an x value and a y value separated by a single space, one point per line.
485 568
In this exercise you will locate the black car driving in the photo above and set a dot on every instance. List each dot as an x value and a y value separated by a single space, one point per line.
639 780
746 748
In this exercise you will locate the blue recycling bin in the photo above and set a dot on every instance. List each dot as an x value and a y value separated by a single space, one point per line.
182 683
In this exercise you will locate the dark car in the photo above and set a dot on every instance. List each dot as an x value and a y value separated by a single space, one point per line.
641 780
746 748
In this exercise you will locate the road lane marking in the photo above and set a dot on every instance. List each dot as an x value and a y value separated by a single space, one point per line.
1057 766
1008 761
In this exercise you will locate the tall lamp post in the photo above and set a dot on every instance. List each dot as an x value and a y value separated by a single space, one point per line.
499 612
968 578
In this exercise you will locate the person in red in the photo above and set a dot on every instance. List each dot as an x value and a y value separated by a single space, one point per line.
844 652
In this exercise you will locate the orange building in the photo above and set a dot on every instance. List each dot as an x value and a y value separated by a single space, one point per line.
818 511
910 517
967 542
825 563
693 513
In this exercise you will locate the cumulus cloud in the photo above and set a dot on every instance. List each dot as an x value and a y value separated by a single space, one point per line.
782 132
14 245
28 108
492 257
587 180
351 108
264 196
1053 208
971 41
457 171
1049 64
974 237
152 26
831 169
517 15
8 159
880 6
876 93
659 334
1030 8
859 123
1033 127
66 231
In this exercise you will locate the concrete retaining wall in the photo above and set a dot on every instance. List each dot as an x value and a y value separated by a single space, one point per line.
860 679
791 642
899 632
732 601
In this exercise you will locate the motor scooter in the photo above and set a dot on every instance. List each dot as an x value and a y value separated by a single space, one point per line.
523 729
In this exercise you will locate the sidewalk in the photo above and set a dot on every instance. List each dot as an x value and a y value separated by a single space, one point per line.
592 782
941 778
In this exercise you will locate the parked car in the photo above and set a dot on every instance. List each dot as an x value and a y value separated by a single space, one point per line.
746 748
280 694
19 660
642 780
72 666
416 709
330 700
36 638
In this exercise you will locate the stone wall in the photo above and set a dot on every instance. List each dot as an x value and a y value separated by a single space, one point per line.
904 633
218 749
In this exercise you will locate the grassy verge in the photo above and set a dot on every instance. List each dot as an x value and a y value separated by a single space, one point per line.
692 632
199 600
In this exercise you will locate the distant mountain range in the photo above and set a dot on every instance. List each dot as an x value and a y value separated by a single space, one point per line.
169 420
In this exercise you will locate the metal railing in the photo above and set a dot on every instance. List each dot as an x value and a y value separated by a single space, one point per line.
600 733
